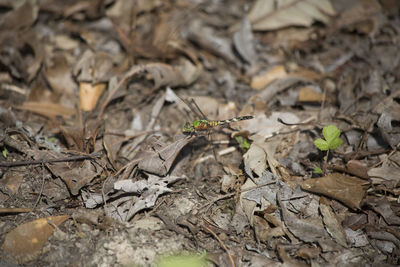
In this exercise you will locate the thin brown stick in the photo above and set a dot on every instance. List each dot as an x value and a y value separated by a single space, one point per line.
41 188
221 244
14 210
40 161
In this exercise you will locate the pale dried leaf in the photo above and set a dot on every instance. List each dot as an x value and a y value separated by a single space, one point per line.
243 40
160 162
332 224
255 160
50 110
173 75
261 81
388 171
272 15
149 191
89 94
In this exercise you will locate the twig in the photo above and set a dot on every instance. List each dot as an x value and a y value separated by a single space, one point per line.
40 161
41 188
14 210
220 242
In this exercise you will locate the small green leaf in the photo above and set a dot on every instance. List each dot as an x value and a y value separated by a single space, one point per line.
335 143
332 140
330 132
5 153
317 170
243 142
321 144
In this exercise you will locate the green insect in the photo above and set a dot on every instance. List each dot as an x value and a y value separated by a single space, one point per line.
204 124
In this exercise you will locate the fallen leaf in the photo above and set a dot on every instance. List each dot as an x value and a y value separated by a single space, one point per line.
255 160
272 15
89 94
25 242
75 174
182 74
21 17
206 38
243 40
309 95
331 222
261 81
159 162
47 109
388 171
149 191
346 189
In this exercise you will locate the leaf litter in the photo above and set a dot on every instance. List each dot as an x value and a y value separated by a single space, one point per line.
91 129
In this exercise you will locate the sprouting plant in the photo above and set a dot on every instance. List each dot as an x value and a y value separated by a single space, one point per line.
243 142
331 142
318 170
4 152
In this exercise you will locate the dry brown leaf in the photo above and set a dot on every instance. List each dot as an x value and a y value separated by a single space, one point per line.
94 67
173 75
21 17
75 137
76 174
261 81
331 222
255 159
272 15
159 162
89 94
307 94
50 110
25 242
12 180
357 168
207 38
306 74
59 76
308 252
244 42
359 16
346 189
388 171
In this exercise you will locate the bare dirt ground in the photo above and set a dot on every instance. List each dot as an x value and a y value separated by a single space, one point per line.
200 133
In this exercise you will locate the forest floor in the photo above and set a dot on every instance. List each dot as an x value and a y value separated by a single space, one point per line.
210 133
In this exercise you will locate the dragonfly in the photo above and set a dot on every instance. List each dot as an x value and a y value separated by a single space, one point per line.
204 124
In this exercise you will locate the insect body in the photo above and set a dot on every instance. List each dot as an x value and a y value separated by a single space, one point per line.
204 124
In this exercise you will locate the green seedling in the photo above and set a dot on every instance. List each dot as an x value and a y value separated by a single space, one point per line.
4 152
318 170
243 142
331 142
